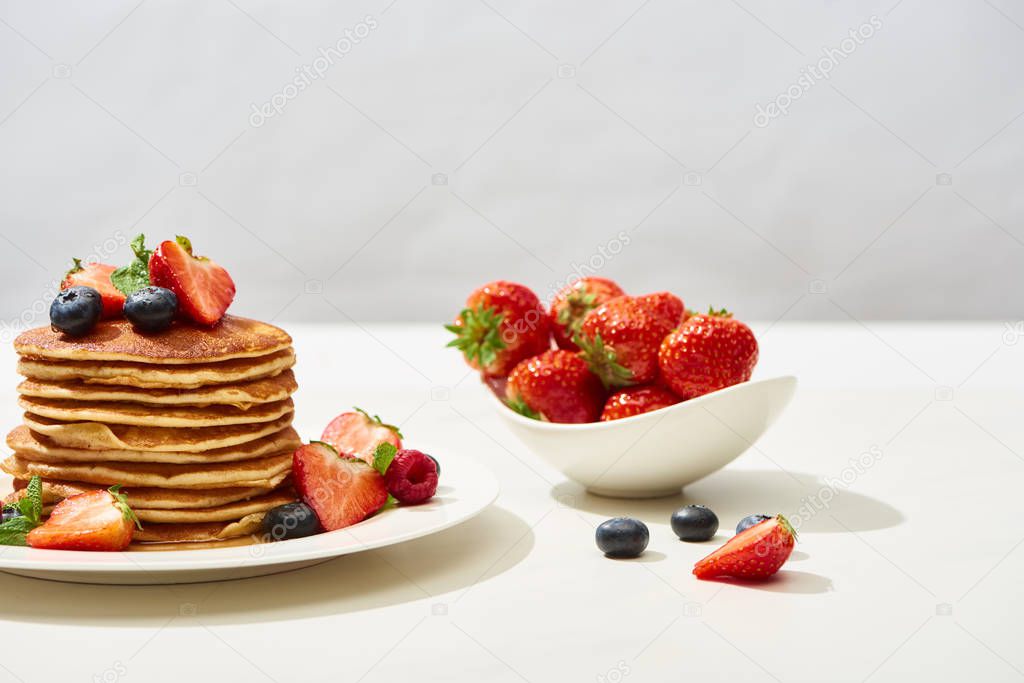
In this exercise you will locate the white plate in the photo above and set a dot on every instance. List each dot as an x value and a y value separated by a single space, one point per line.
465 489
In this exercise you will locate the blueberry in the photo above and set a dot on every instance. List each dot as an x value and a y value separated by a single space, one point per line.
291 520
436 463
622 537
11 513
694 523
749 521
75 311
151 309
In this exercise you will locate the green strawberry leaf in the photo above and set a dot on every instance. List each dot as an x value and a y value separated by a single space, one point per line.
121 501
383 456
519 405
603 362
133 277
376 419
75 267
479 335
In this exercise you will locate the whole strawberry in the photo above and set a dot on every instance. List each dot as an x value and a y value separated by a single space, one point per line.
572 303
665 306
755 553
619 341
710 351
502 324
556 386
636 400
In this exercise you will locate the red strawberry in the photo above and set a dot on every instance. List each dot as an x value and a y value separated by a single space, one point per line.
620 341
97 276
665 306
357 434
502 324
710 351
573 302
756 553
204 289
636 400
341 490
555 386
412 477
94 520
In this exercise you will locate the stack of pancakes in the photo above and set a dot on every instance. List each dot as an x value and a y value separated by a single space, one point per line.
194 423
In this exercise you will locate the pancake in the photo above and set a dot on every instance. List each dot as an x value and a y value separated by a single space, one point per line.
114 413
197 545
143 497
221 513
266 390
96 436
40 448
259 472
199 532
183 343
149 376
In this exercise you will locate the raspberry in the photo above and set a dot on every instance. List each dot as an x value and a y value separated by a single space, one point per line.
412 477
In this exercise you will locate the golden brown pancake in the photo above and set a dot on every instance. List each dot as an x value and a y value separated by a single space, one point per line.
220 513
197 545
149 376
264 472
96 436
266 390
144 497
192 533
183 343
40 448
114 413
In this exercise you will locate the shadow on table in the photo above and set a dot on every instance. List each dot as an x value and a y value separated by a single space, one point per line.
734 494
453 560
786 581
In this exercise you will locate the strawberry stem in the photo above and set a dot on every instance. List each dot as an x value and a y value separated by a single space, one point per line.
478 337
602 362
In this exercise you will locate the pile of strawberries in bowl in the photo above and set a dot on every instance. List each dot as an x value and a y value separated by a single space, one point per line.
597 353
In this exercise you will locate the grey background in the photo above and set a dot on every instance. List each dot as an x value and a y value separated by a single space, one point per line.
889 190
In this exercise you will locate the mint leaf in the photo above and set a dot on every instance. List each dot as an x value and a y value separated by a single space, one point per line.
14 531
133 277
383 456
31 506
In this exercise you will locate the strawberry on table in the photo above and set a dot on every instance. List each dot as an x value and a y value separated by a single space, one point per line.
341 490
204 289
636 400
358 433
619 341
665 306
97 276
556 386
572 303
756 553
710 351
94 520
502 324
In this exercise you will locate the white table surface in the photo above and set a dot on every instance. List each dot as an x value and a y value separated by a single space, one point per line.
910 573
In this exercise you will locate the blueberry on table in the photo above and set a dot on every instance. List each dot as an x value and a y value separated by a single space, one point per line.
291 520
694 523
151 309
622 537
75 311
749 521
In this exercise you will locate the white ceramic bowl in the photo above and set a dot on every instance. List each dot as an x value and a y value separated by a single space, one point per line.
657 453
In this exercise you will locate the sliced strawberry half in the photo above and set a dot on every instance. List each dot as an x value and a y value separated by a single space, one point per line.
357 434
204 289
341 490
97 276
94 520
756 553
